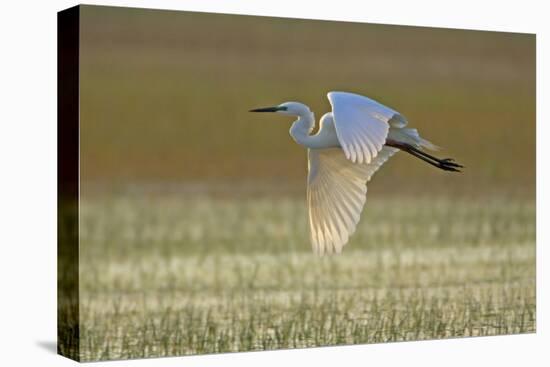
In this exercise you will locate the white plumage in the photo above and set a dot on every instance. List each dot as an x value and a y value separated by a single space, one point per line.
352 143
336 194
361 125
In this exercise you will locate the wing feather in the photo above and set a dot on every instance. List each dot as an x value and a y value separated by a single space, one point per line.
336 195
362 125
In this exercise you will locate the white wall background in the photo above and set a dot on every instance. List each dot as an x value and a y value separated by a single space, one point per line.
28 181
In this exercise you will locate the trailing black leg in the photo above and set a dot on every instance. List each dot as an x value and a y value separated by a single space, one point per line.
446 164
446 161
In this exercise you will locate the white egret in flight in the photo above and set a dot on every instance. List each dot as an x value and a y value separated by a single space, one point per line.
353 141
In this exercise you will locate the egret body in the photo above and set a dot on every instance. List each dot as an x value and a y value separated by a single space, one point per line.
352 142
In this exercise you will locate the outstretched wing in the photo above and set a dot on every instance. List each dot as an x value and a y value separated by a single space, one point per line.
336 194
362 124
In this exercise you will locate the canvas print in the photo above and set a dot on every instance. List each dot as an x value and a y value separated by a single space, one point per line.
233 183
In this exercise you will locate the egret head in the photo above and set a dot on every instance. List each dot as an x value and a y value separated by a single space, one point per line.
287 108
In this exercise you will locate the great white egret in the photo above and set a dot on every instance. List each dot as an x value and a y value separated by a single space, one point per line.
353 141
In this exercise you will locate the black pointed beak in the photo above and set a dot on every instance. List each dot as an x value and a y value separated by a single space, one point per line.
268 109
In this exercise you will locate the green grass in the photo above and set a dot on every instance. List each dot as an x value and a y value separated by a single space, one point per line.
181 274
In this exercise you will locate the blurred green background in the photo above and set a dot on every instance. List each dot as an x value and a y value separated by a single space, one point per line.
165 95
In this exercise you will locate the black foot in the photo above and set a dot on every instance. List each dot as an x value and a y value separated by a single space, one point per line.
448 164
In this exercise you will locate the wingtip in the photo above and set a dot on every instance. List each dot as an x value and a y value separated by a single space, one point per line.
348 154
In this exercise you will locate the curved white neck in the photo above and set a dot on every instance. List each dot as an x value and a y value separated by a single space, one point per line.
301 130
302 127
